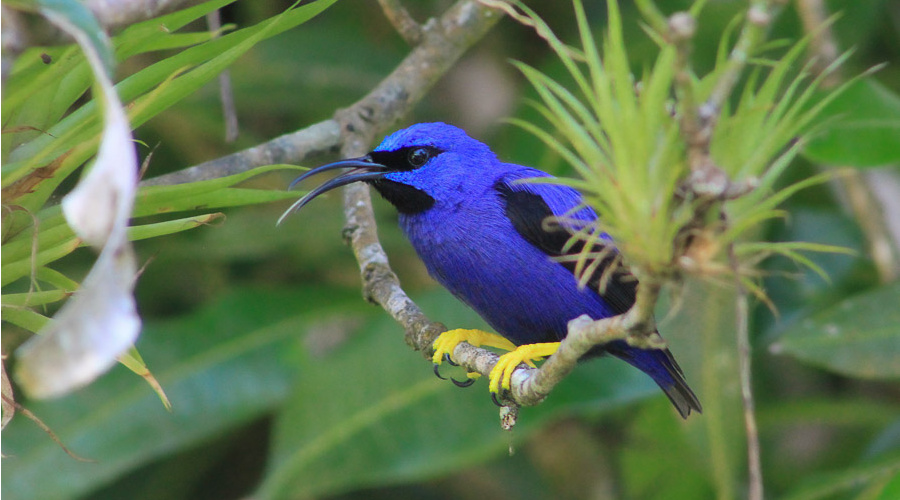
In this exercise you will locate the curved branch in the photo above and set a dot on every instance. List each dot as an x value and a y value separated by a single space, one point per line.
404 23
353 130
294 147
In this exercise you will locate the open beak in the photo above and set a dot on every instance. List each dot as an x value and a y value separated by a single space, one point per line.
364 169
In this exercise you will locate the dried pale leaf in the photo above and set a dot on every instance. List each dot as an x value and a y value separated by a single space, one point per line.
103 199
100 321
88 334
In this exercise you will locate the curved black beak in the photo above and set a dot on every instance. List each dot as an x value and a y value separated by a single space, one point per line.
364 169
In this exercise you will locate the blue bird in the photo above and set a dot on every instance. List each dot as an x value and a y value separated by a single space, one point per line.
483 234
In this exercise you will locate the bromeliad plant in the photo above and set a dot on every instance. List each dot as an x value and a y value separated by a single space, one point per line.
678 183
681 168
50 133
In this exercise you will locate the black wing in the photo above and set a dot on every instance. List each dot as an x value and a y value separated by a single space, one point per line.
527 211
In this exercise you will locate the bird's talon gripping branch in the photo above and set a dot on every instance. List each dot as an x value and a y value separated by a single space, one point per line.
447 342
496 399
437 372
506 365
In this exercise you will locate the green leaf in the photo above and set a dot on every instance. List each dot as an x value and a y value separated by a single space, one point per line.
213 193
657 446
132 360
891 489
76 14
145 231
25 318
698 323
34 298
15 270
221 367
863 128
380 416
859 337
826 485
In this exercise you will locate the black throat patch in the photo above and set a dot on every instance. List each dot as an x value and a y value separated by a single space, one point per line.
407 199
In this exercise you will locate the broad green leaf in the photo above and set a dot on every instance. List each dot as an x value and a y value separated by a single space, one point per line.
826 485
221 367
699 324
831 412
862 129
373 414
858 337
891 489
657 446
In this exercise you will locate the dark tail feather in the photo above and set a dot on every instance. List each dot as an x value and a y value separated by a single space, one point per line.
664 370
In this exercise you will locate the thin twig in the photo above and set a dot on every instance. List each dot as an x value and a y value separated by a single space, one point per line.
44 427
443 42
229 113
742 325
635 327
115 14
295 147
404 23
822 48
710 183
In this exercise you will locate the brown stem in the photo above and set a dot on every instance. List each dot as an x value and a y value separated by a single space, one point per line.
404 23
295 147
742 324
229 113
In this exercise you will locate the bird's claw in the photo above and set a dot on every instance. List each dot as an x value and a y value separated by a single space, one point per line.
469 381
497 398
466 383
446 342
449 360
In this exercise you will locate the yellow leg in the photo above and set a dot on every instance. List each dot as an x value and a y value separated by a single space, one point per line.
447 341
528 353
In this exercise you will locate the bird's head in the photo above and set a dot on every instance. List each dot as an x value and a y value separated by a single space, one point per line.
413 168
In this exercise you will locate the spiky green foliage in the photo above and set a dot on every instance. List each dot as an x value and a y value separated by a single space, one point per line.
52 129
620 136
623 135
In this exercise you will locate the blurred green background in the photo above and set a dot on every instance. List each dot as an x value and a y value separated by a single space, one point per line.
285 383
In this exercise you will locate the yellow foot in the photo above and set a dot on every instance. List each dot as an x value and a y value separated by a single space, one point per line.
447 342
528 353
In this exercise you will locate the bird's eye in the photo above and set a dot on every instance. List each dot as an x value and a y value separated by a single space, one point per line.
417 157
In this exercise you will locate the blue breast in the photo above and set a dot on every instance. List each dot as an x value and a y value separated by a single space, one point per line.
474 251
